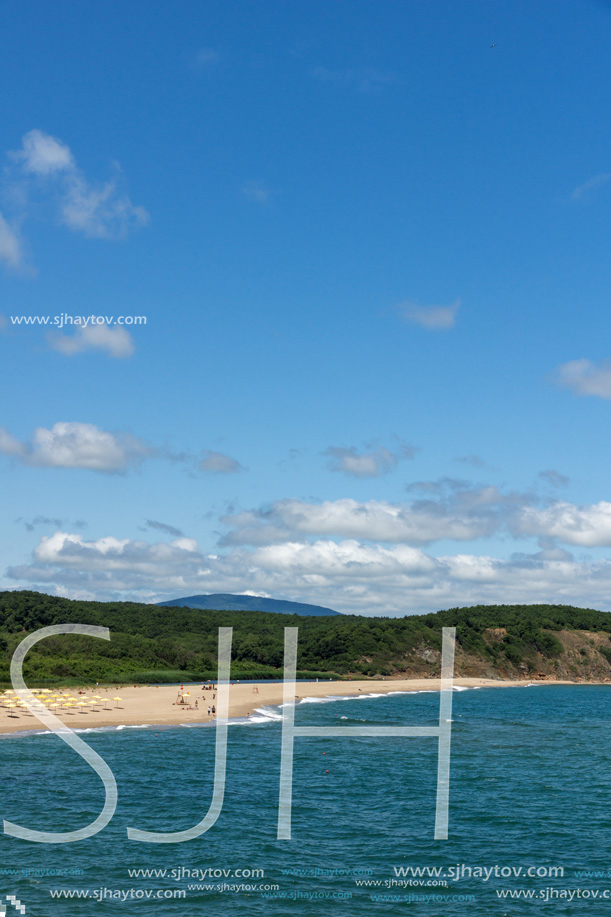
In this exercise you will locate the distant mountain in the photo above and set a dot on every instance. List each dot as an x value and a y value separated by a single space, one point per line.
223 601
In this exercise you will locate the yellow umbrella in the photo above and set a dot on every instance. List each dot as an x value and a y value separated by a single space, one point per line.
117 700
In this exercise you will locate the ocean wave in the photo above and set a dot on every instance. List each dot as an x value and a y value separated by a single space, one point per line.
261 715
324 700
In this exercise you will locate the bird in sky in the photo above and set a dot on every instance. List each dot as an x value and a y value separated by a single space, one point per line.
493 46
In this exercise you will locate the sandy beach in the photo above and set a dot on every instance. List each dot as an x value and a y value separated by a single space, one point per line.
159 706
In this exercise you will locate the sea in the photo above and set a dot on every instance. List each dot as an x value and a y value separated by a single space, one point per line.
529 813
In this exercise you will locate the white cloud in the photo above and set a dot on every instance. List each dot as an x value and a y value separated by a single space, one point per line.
115 341
349 576
588 187
43 154
361 465
9 445
96 210
372 464
217 463
589 526
77 445
10 247
461 514
433 318
586 378
101 211
464 516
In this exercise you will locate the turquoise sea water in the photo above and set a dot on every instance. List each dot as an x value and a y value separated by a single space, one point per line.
530 787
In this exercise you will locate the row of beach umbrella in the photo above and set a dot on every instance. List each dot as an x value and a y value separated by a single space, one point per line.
56 702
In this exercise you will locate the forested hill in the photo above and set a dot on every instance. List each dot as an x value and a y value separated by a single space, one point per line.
150 643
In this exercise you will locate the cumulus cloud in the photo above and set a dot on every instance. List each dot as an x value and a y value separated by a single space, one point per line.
347 575
76 445
590 186
433 318
114 341
462 516
218 463
99 210
589 526
42 154
10 247
583 377
450 510
373 464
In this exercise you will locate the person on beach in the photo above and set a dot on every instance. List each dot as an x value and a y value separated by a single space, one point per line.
208 711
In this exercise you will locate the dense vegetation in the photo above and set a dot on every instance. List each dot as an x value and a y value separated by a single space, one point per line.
151 643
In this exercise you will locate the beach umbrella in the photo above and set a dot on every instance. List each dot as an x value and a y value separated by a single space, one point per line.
117 700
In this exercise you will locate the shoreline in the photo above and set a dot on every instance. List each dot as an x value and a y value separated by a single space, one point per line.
154 706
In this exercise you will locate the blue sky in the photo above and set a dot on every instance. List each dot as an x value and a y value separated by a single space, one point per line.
372 254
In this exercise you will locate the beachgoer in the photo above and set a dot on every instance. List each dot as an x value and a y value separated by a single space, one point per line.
208 711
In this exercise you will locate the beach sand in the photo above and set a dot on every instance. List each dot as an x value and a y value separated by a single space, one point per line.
157 706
